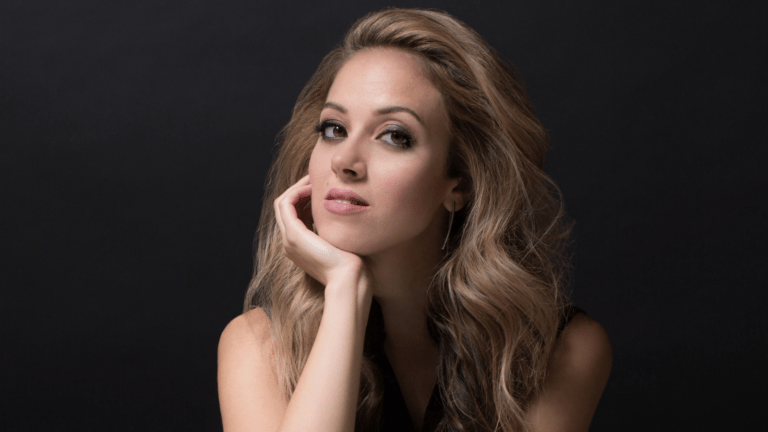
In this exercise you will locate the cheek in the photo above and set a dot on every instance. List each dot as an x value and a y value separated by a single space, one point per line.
411 191
316 177
393 190
313 160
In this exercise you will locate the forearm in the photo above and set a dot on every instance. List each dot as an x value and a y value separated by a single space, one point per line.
325 398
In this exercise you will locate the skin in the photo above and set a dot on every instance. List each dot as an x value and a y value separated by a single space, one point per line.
389 252
400 234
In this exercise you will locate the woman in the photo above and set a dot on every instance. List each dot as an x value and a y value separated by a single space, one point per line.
409 268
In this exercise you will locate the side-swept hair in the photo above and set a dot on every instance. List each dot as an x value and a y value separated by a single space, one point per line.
496 299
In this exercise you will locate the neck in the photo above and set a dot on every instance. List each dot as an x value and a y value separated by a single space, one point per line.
400 280
400 277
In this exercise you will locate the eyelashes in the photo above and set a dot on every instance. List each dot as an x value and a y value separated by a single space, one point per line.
398 137
329 129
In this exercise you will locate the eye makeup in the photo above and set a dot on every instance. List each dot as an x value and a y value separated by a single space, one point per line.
395 136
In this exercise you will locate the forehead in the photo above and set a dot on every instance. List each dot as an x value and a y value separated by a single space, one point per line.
385 76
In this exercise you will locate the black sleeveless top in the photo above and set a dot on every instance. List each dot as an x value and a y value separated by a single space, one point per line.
395 416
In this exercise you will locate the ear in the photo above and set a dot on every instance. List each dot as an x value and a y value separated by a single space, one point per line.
455 195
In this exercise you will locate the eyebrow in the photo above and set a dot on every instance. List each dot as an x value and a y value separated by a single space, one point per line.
381 111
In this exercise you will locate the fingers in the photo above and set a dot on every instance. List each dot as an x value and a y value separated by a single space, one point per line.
293 213
284 205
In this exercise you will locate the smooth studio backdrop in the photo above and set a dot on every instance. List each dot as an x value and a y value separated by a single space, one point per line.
135 139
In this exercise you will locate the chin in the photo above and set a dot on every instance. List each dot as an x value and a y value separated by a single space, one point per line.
345 242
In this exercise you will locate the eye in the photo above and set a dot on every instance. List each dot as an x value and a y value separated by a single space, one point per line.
331 130
397 137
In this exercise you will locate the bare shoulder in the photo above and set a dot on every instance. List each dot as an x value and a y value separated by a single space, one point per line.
247 331
249 391
577 373
583 347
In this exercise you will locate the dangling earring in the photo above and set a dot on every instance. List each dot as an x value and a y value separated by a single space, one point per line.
450 224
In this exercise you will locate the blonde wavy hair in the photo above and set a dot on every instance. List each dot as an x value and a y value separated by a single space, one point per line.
496 300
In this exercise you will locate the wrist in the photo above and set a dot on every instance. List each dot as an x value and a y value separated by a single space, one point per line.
344 283
349 291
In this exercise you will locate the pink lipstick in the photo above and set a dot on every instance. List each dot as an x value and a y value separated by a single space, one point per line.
344 202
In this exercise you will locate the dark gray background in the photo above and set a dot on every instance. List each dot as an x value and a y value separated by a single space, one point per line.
135 140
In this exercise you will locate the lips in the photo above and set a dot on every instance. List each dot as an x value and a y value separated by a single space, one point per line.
346 195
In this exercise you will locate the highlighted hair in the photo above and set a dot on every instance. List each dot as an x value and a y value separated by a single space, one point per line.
496 300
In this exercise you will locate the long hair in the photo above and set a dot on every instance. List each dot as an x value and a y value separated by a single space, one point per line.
496 299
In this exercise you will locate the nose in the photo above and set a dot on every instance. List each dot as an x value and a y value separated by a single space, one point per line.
348 160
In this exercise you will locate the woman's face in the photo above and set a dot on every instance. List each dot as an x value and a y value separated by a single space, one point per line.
383 134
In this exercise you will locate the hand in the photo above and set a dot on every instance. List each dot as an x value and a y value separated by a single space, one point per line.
311 253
